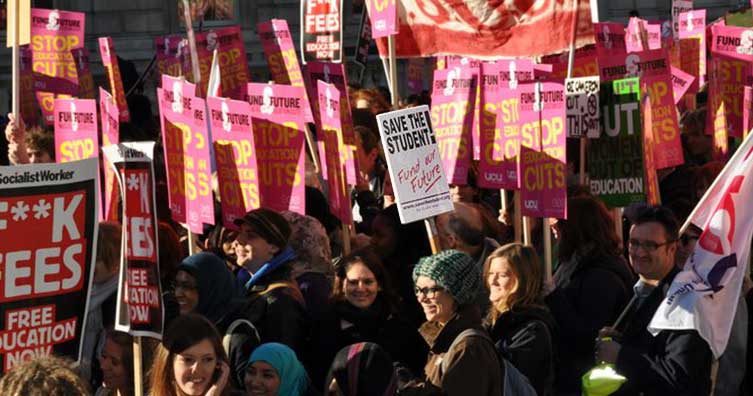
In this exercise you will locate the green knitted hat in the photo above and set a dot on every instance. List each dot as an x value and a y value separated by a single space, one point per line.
452 270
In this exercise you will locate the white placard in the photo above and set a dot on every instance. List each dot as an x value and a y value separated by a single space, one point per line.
582 107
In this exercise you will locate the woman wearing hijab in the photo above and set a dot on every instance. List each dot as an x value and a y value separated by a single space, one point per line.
204 285
362 369
274 370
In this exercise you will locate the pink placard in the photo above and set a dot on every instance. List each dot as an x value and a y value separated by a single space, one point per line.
186 147
108 113
53 35
693 45
747 110
334 73
637 64
112 70
231 54
633 41
178 86
85 79
727 79
235 157
584 64
610 38
169 49
278 122
75 129
732 41
475 67
329 113
666 128
681 82
500 127
452 103
28 104
383 15
281 57
542 167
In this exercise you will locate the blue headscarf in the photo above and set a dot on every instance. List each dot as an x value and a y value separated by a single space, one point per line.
216 285
293 377
285 256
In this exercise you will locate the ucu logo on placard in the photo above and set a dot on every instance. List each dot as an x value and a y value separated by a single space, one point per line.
531 204
493 177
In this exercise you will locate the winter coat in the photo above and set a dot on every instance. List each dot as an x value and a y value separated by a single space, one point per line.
525 336
590 297
674 362
471 367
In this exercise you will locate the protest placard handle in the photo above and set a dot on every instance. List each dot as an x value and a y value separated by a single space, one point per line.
138 381
393 72
312 148
547 249
191 43
191 241
431 232
617 213
526 230
13 18
517 218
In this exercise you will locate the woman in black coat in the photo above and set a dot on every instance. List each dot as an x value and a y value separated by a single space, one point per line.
518 321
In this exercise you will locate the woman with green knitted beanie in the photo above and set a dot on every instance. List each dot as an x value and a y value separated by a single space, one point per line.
462 359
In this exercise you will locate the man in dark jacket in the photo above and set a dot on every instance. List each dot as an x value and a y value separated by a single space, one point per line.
673 362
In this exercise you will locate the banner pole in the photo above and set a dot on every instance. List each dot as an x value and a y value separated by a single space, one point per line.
138 382
393 72
191 43
431 231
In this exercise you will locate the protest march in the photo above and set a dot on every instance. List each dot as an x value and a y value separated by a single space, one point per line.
377 198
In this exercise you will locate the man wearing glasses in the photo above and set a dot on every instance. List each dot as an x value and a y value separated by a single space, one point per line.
674 361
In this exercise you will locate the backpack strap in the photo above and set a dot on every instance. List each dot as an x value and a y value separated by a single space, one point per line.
463 335
231 329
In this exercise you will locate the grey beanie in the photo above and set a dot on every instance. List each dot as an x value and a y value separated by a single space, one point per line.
452 270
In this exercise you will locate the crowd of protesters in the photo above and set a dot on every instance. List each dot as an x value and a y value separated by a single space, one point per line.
274 307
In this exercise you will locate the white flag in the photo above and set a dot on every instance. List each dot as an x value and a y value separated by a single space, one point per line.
704 295
214 84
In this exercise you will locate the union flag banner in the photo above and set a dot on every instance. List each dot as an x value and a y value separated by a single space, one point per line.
489 28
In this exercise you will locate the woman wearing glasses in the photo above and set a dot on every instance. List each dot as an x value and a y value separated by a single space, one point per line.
460 362
592 284
364 309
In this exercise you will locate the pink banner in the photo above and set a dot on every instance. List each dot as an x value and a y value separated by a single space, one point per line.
186 147
112 70
727 80
231 54
281 57
681 82
383 15
334 73
693 46
329 109
53 35
235 157
610 38
85 79
633 41
542 167
452 102
169 50
500 124
109 119
75 129
278 122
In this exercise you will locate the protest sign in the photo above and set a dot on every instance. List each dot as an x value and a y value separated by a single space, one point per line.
747 110
231 54
582 107
475 67
85 79
542 150
186 146
48 225
383 15
584 65
681 83
278 123
112 70
235 157
281 57
361 55
108 112
53 35
732 42
139 309
28 106
615 159
179 86
335 74
414 163
321 30
75 129
329 108
727 81
679 7
693 46
500 123
610 38
649 164
452 103
635 29
169 51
